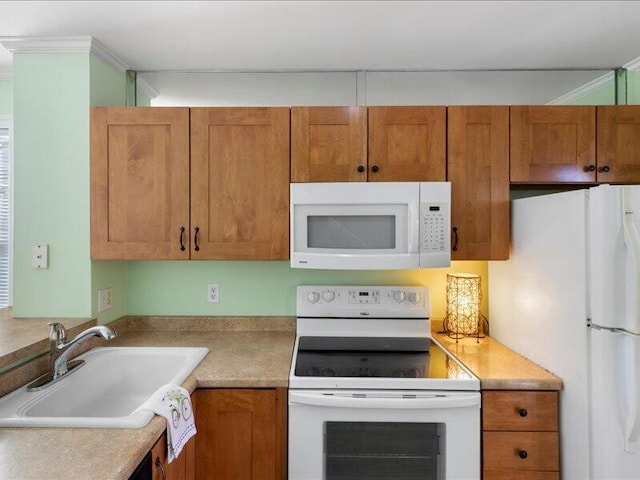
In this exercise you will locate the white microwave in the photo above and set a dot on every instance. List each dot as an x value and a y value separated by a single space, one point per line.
370 226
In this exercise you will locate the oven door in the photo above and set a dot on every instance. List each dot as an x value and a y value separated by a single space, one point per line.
364 434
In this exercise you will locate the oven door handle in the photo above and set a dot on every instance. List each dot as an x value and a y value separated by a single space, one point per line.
458 400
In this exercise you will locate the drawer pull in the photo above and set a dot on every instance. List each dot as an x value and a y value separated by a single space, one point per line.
523 412
523 454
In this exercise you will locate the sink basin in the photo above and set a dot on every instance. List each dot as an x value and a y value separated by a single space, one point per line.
106 392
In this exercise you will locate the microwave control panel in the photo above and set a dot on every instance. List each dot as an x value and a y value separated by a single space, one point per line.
434 227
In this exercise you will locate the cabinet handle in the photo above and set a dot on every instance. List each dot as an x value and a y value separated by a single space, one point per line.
360 168
375 168
604 169
523 412
195 238
455 239
523 454
590 168
161 467
182 247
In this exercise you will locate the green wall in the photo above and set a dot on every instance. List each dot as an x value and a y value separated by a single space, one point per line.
52 96
602 96
108 88
51 119
260 288
633 88
6 97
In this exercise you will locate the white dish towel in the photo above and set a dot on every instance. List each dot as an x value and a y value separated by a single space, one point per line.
173 403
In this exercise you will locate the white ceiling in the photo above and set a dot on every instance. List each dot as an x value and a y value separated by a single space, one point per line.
341 35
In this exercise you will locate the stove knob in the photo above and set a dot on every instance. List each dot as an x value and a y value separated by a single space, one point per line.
328 295
327 372
414 298
399 296
313 297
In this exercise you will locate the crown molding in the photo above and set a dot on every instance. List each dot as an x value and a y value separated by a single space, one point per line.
6 73
78 44
602 81
145 88
633 65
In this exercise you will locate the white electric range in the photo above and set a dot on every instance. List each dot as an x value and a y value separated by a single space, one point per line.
372 395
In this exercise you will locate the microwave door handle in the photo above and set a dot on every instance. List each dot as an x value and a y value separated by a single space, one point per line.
414 227
362 401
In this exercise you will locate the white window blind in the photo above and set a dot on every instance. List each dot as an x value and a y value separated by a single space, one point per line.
5 217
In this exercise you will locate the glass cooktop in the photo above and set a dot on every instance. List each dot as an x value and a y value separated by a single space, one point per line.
374 357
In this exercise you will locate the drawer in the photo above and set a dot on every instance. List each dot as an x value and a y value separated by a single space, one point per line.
502 451
491 475
520 410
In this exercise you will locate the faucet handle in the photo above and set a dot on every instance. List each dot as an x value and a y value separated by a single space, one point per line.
57 334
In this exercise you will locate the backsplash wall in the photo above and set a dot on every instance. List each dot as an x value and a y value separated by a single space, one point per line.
262 288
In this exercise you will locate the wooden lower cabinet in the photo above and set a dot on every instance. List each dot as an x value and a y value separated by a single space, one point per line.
520 437
241 434
182 468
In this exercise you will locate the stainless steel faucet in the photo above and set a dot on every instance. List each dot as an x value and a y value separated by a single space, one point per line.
60 350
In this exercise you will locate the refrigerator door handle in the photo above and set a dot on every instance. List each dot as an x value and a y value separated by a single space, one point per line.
632 426
632 242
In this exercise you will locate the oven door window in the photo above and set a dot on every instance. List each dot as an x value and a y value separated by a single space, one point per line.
383 450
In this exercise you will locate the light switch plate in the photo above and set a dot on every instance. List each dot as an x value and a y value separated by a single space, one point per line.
40 256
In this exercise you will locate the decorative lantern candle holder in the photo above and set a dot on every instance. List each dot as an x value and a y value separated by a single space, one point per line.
464 294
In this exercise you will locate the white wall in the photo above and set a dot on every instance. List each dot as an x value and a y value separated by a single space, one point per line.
364 88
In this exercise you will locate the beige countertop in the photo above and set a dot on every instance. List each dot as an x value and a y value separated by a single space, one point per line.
498 367
243 352
244 358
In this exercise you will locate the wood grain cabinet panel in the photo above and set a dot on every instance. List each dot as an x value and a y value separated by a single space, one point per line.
328 144
241 434
240 183
139 182
520 411
478 169
520 437
618 144
553 144
407 144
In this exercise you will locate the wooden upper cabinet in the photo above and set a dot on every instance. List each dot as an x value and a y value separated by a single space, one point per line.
619 144
407 144
553 144
139 182
240 183
328 144
478 169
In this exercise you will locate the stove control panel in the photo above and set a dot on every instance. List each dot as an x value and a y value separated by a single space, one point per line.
363 301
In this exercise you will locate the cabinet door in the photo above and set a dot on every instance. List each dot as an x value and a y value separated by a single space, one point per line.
551 144
240 183
407 144
328 144
241 434
139 183
161 468
478 169
619 144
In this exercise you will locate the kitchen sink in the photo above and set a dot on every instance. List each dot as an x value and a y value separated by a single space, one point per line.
106 392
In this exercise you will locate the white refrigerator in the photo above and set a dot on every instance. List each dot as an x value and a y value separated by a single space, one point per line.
568 299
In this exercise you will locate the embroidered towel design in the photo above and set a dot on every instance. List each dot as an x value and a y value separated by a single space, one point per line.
173 403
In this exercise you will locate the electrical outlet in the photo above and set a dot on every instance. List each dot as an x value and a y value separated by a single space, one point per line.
105 299
213 293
